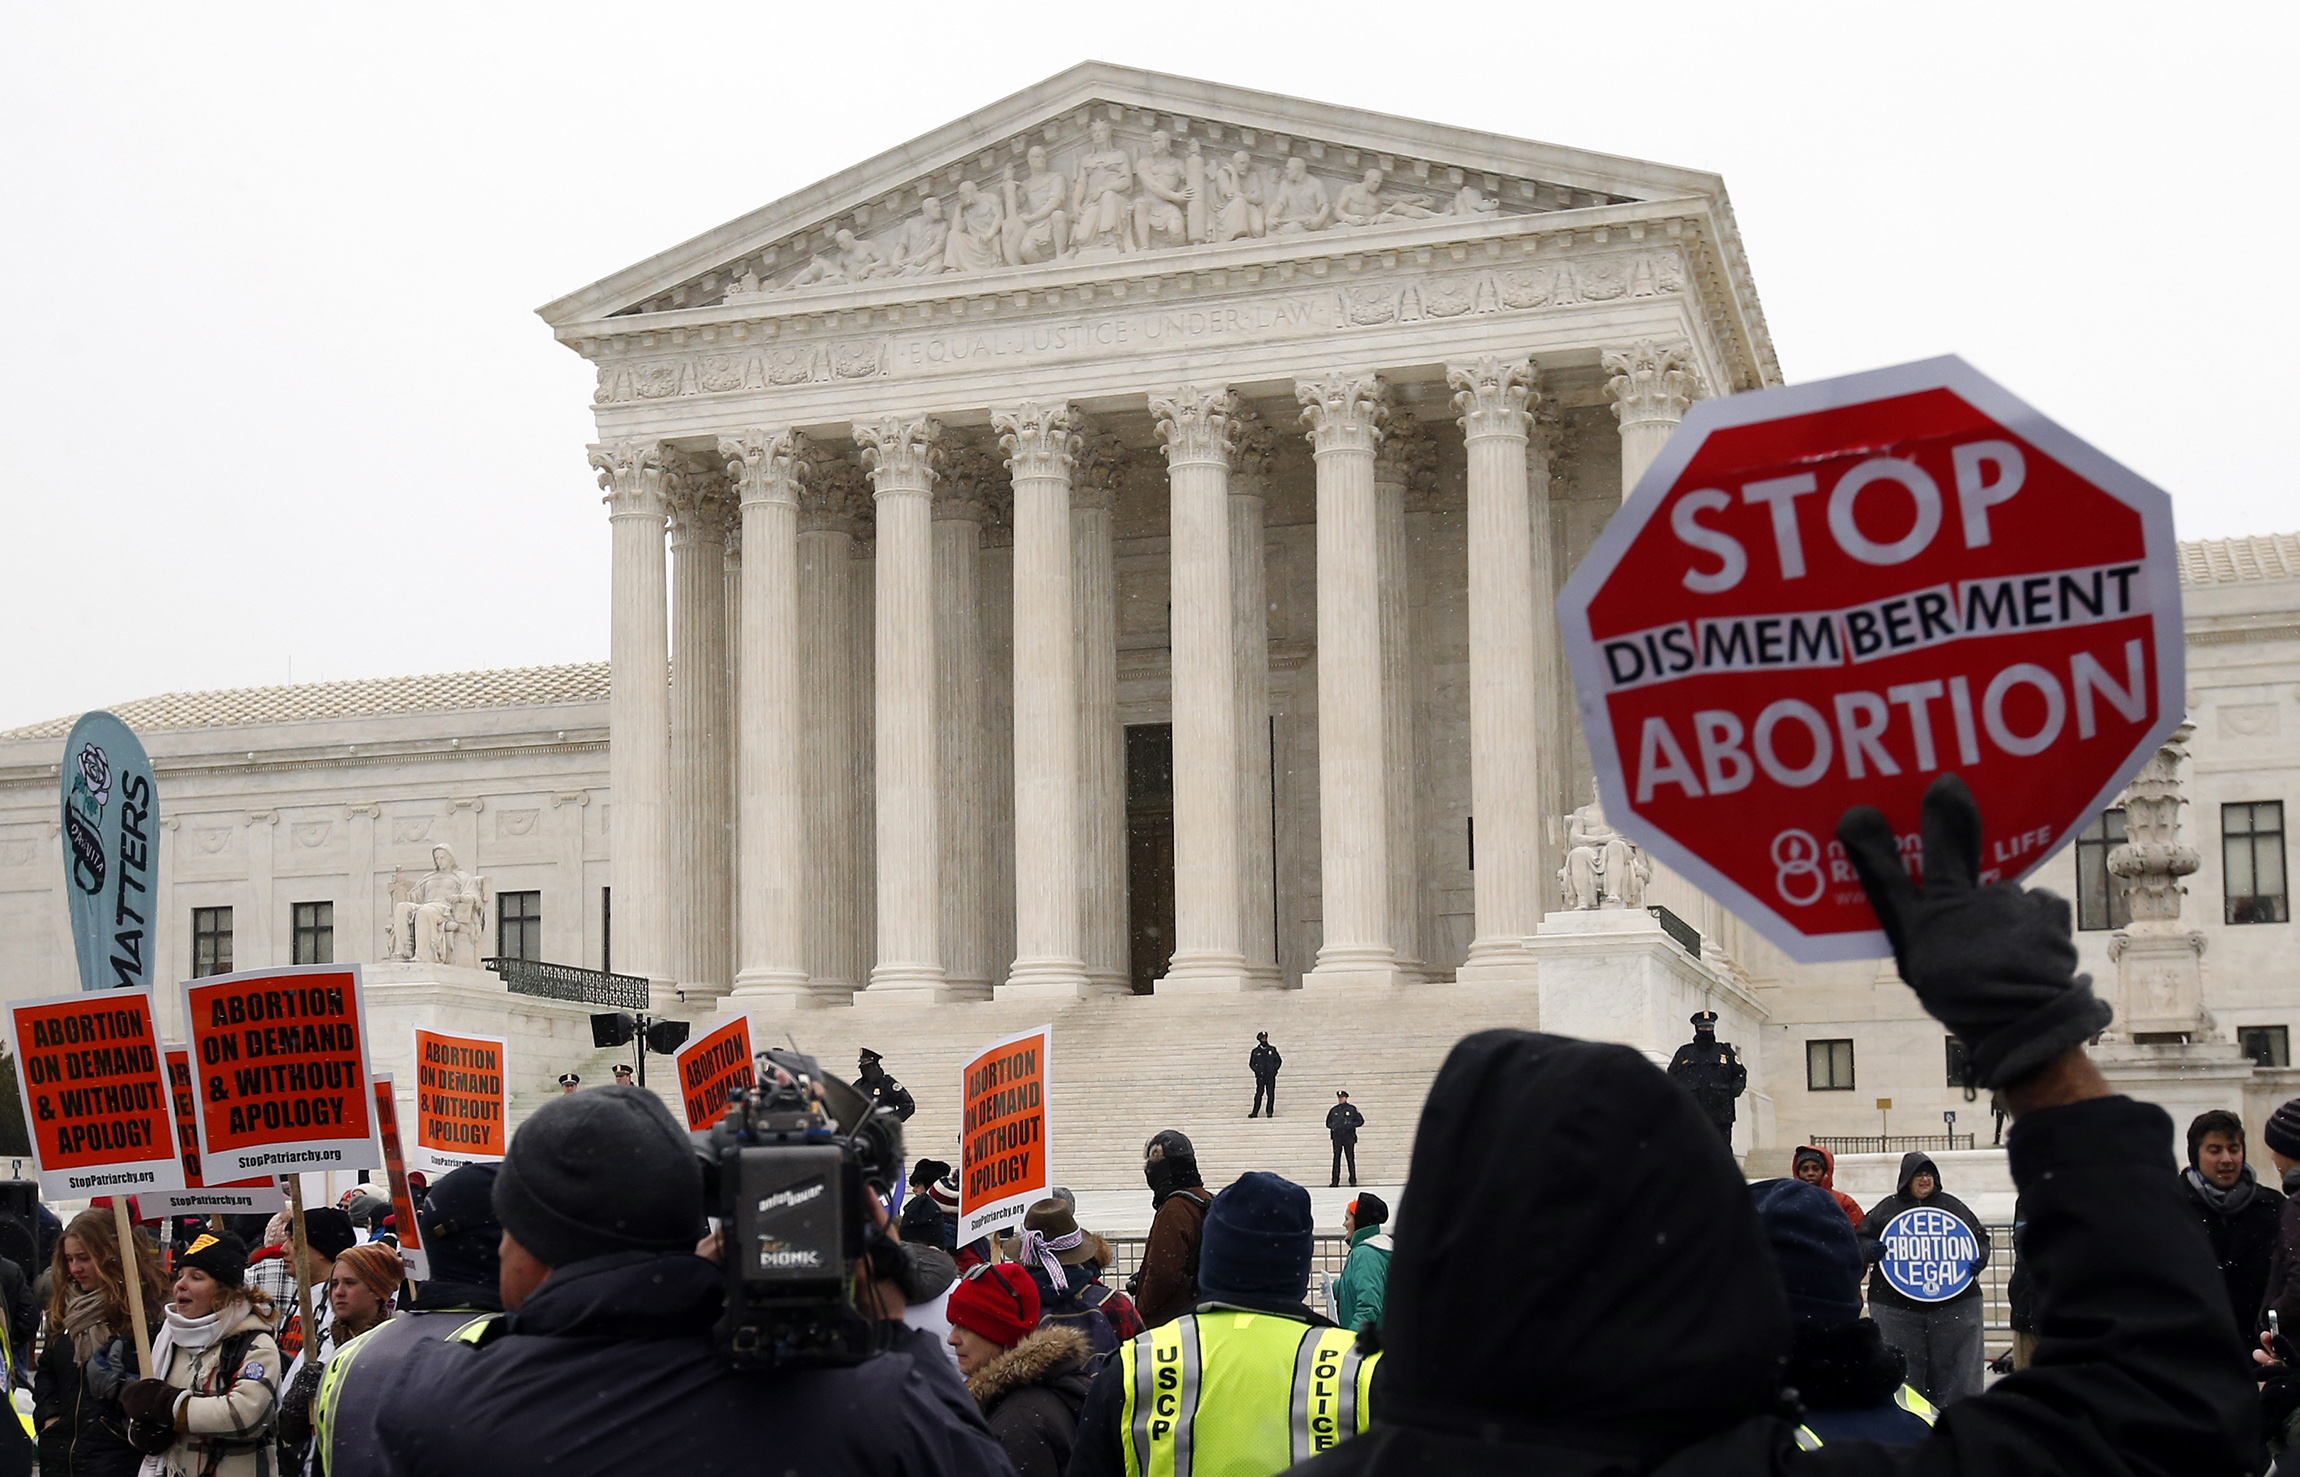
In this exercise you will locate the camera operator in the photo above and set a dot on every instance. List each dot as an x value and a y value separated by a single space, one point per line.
608 1364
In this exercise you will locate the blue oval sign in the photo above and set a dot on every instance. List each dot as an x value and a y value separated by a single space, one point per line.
1929 1255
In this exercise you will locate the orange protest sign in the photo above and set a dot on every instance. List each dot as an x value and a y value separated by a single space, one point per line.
282 1070
95 1098
460 1100
395 1169
1002 1145
711 1068
258 1196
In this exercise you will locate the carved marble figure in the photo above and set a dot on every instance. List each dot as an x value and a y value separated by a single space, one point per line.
856 260
1361 204
1237 200
1105 175
978 235
439 917
1037 213
1161 211
921 249
1603 869
1300 204
1470 200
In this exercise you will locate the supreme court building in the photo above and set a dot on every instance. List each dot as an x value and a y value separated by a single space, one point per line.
1096 562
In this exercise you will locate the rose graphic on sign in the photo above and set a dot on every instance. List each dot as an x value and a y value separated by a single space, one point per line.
1928 1255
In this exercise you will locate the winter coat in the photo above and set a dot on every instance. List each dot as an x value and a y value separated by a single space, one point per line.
1871 1230
1605 1355
1828 1180
1264 1062
2243 1229
884 1092
1712 1071
609 1368
1358 1291
1846 1376
2283 1291
224 1429
368 1366
82 1431
1031 1395
1102 1318
1166 1287
1343 1120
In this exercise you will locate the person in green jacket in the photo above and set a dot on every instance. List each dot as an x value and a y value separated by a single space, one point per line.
1358 1291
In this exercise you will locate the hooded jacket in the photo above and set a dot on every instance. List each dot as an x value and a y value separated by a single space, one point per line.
2242 1224
1872 1231
1828 1180
1031 1395
1606 1354
609 1368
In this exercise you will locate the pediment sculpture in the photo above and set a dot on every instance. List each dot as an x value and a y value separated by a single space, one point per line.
440 917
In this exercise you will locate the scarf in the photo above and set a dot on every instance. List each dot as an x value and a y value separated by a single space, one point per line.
180 1332
85 1321
1042 1249
2230 1200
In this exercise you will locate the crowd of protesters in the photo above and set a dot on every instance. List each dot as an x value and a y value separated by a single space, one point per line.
1598 1292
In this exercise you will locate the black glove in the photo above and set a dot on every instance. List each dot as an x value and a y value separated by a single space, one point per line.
152 1438
149 1400
1994 964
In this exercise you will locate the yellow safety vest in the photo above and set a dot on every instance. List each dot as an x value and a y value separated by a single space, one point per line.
1233 1394
1905 1397
479 1330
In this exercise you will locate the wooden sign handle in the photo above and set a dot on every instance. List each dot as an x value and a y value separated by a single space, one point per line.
296 1245
135 1280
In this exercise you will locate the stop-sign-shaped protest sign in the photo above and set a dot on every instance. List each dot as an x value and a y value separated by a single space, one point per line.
1828 594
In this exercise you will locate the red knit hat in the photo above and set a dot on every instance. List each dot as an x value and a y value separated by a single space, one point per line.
998 1301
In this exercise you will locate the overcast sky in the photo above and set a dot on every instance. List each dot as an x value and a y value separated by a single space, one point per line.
275 398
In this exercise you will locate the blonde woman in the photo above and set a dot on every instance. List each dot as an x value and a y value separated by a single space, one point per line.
208 1409
87 1358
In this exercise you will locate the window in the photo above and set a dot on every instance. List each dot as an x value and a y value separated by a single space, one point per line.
519 925
1828 1066
2252 859
2268 1046
211 942
315 933
2099 901
1960 1061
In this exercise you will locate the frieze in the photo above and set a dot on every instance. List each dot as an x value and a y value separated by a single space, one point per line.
1341 308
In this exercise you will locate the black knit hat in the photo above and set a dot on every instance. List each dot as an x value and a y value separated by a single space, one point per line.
1258 1241
2283 1131
461 1236
600 1172
328 1231
220 1254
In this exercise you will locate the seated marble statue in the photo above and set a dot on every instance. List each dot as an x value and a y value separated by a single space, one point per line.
440 917
977 236
1470 200
1603 868
1161 211
1037 213
921 250
1237 200
1300 203
1361 204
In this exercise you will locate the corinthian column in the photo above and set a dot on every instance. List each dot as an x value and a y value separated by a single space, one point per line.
1406 456
1505 758
767 468
1344 413
1101 739
1250 647
1041 444
639 709
1651 385
900 453
702 858
831 685
1200 430
964 889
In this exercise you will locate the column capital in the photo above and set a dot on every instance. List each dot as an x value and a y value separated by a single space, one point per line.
633 475
1651 381
1099 467
1491 394
1343 410
1198 424
902 453
1407 456
1040 438
1250 465
834 496
967 490
767 466
702 504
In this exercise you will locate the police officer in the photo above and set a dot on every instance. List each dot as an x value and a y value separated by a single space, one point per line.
881 1088
568 1082
607 1364
1251 1381
1711 1070
1343 1121
1263 1061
